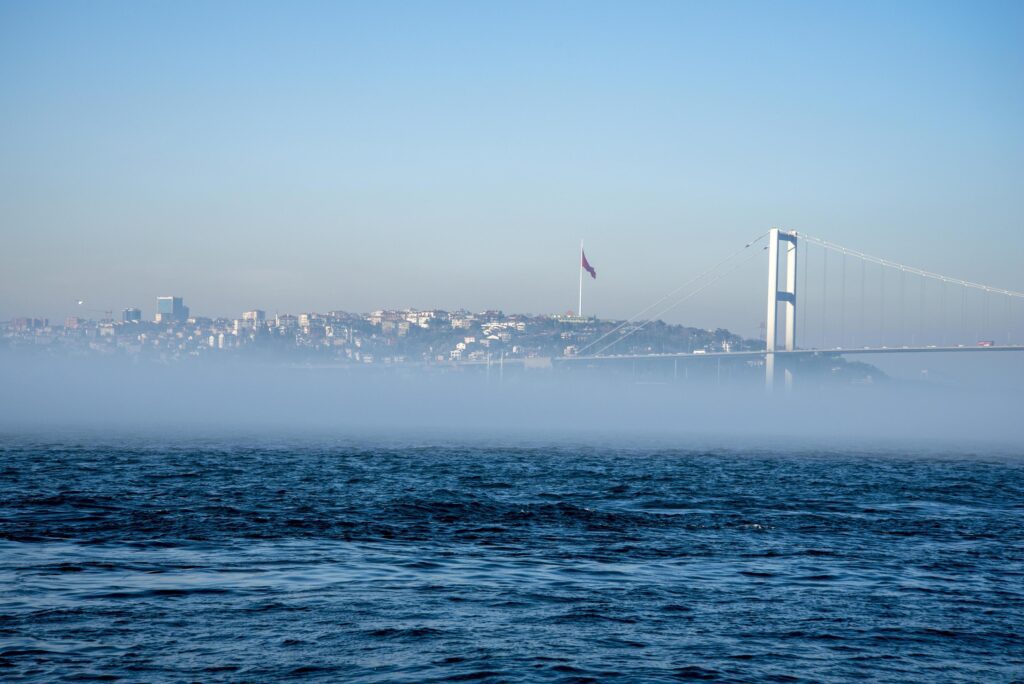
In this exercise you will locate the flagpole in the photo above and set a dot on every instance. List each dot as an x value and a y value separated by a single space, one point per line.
579 309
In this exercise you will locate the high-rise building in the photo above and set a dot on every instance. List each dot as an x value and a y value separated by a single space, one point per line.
23 324
256 316
171 309
131 315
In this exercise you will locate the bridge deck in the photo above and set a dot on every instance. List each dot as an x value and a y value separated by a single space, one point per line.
740 354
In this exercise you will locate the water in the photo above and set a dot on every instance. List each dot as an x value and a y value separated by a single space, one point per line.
218 562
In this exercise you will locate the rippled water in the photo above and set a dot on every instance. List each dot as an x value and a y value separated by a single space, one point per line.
332 563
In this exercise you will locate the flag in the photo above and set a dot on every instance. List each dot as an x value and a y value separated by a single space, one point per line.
586 265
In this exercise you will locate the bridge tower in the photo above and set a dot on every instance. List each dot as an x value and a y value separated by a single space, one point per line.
787 296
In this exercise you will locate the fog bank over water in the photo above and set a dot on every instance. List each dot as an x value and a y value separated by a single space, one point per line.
51 396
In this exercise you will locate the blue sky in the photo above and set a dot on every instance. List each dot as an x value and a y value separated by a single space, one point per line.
312 156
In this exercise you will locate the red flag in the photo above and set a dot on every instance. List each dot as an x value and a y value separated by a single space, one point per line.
587 267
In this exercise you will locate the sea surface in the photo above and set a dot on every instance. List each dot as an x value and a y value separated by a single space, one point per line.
237 561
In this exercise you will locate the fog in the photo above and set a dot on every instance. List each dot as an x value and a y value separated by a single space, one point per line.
248 401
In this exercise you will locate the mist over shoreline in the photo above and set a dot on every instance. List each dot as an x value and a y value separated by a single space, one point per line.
252 401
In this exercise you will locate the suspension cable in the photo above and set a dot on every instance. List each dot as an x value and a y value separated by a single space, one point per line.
824 293
963 314
944 306
803 291
668 308
842 301
910 269
1009 320
863 300
920 311
672 293
903 302
881 309
987 330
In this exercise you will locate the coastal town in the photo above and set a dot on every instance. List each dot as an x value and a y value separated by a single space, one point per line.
385 337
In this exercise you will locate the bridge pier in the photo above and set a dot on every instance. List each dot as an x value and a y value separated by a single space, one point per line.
785 295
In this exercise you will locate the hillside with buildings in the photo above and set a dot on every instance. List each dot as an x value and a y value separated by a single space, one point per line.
380 337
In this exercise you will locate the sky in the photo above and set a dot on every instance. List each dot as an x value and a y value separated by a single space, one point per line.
307 156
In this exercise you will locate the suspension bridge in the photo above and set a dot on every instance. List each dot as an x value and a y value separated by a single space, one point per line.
897 308
860 304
